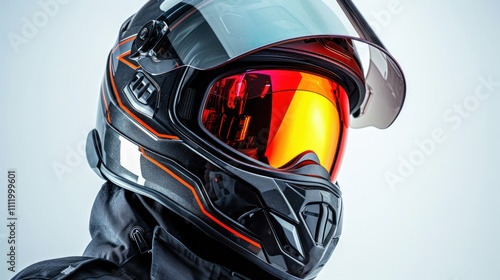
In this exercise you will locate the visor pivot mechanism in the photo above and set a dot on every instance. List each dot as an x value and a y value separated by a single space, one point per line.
149 36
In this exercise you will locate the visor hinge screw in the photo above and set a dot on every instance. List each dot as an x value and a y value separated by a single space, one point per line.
144 33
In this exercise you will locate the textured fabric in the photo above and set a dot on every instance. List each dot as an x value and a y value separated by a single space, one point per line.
168 250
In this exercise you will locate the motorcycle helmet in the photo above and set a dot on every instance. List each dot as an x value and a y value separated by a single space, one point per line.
233 114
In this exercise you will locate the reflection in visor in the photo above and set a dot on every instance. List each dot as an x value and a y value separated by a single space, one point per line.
276 115
207 34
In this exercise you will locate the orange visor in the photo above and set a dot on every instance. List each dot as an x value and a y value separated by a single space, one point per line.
276 115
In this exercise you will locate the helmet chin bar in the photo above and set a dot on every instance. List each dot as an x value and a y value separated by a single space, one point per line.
288 218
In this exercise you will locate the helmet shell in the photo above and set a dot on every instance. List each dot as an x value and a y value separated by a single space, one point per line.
148 137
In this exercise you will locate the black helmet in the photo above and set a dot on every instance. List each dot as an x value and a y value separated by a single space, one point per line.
233 114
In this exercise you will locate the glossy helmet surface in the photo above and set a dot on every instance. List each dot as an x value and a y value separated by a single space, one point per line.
159 133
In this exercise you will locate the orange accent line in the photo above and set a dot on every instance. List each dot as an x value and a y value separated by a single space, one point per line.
197 198
122 59
123 42
120 103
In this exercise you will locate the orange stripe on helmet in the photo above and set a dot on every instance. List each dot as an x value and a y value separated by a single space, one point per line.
198 201
121 58
122 106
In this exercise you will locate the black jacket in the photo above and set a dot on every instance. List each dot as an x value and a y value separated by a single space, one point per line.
134 237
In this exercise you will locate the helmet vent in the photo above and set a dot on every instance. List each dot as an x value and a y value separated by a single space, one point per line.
320 220
288 236
142 94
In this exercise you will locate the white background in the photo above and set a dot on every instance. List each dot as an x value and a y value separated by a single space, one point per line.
421 198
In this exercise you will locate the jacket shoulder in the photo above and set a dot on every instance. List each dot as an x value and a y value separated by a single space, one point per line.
74 268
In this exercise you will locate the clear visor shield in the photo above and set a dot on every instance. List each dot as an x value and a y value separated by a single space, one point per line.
210 33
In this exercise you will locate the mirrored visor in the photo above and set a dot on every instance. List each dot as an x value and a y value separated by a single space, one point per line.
274 116
206 34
